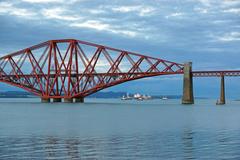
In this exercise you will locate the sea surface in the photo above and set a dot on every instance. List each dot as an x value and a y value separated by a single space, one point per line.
115 129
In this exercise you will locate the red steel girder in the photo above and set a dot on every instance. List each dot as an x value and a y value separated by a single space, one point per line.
71 68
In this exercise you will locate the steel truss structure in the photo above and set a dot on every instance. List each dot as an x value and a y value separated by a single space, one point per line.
72 68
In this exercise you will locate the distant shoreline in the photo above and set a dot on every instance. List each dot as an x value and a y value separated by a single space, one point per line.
110 94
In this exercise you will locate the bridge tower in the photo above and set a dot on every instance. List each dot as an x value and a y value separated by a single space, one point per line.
187 97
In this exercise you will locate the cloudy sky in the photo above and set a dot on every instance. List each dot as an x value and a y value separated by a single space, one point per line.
206 32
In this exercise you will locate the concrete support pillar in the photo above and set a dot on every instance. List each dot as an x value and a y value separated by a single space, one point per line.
79 100
222 92
187 97
57 100
68 100
45 100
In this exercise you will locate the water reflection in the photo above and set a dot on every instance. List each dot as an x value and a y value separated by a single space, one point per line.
188 146
50 147
72 148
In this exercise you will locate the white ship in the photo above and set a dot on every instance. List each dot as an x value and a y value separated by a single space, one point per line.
146 97
136 96
126 97
164 98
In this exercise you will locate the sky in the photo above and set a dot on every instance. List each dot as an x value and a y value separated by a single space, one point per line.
205 32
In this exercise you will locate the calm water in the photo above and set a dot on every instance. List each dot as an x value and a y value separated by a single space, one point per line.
114 129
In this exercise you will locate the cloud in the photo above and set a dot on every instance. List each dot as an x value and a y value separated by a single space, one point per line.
95 11
232 10
42 1
205 2
201 10
221 22
140 10
92 24
59 14
175 15
154 27
8 8
226 37
232 36
50 1
97 25
230 3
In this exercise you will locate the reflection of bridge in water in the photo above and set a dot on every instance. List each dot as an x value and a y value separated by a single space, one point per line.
73 69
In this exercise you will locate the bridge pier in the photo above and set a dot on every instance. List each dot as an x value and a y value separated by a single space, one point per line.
222 92
79 100
45 100
68 100
57 99
187 97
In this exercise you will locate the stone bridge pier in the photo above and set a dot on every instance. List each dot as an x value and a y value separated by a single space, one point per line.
65 100
187 97
222 100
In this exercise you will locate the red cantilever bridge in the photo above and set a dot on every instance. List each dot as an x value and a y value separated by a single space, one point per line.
73 69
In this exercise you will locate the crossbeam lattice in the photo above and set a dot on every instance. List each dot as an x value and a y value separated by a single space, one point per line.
72 68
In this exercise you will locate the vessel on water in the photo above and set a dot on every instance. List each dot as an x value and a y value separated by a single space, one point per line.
136 96
164 98
126 97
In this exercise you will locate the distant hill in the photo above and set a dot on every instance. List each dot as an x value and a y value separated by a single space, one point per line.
16 94
22 94
110 94
107 94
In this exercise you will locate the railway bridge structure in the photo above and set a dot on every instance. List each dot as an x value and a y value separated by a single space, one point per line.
69 70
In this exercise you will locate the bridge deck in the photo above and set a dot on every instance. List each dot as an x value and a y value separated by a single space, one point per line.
216 73
195 74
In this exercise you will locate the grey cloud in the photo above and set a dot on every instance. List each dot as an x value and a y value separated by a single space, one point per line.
177 30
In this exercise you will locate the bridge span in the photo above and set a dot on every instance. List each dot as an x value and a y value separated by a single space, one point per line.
188 97
221 74
71 69
230 73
